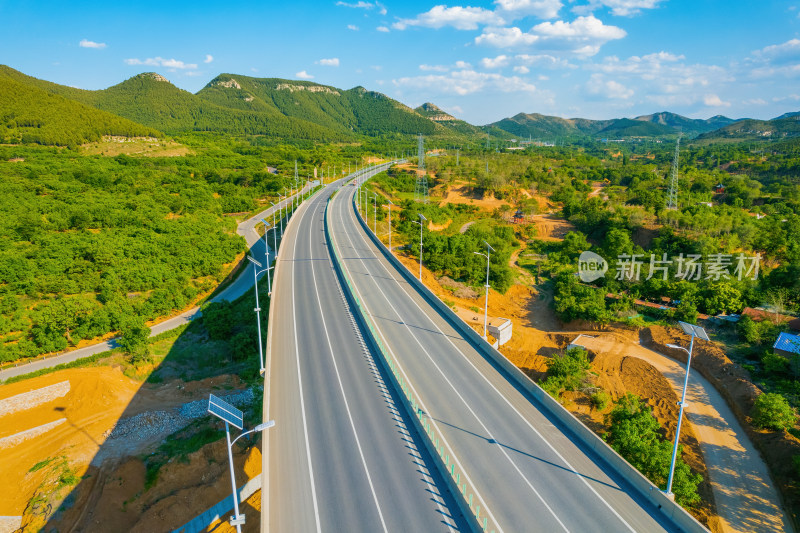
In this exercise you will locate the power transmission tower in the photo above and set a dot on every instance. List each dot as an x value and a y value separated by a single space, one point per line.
421 188
672 198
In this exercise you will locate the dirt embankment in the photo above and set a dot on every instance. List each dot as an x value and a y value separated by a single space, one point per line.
777 448
185 488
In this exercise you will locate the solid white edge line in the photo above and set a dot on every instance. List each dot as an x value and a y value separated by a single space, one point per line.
300 383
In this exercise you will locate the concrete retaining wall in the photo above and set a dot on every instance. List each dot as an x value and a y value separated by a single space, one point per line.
202 521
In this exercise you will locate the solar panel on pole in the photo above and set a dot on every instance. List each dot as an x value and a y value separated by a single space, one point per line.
222 409
694 331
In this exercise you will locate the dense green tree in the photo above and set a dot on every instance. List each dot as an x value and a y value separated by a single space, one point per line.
772 411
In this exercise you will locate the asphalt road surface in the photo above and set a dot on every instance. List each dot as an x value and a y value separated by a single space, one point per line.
343 455
529 473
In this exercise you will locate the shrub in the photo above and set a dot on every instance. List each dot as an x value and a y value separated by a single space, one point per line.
774 364
772 411
600 399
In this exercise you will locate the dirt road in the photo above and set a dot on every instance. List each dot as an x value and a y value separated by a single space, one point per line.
745 495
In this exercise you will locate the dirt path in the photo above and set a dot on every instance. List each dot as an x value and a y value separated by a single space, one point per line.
745 497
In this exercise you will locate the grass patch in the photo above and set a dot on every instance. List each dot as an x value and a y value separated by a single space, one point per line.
178 446
42 464
78 363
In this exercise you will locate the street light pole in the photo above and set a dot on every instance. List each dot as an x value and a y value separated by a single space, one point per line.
256 264
375 214
390 223
693 331
231 415
421 218
489 250
280 212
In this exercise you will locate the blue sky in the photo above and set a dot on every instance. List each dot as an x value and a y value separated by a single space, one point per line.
479 60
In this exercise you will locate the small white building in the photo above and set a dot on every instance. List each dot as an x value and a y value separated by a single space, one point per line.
500 329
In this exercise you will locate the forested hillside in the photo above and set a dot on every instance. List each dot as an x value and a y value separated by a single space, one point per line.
787 126
32 115
356 110
434 113
87 243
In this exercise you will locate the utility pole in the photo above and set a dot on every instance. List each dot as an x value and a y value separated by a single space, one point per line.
672 197
489 250
421 188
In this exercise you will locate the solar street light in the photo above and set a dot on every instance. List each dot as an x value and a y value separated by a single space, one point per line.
693 331
233 417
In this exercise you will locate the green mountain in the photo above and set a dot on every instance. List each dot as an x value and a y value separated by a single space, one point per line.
31 114
784 127
656 125
356 110
540 126
434 113
688 126
626 127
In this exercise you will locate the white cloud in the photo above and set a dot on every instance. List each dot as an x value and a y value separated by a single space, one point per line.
780 53
303 75
194 73
368 6
463 82
755 101
434 68
331 62
599 86
454 109
774 61
506 37
463 65
209 58
543 60
661 78
85 43
358 5
497 62
376 67
543 9
792 97
712 100
352 27
622 8
583 36
458 17
161 62
382 29
522 69
542 77
582 28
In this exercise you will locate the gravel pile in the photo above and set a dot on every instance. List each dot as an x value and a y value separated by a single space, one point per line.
152 423
199 408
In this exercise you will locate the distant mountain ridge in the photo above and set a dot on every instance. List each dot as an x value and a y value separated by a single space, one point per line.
299 109
784 127
655 125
